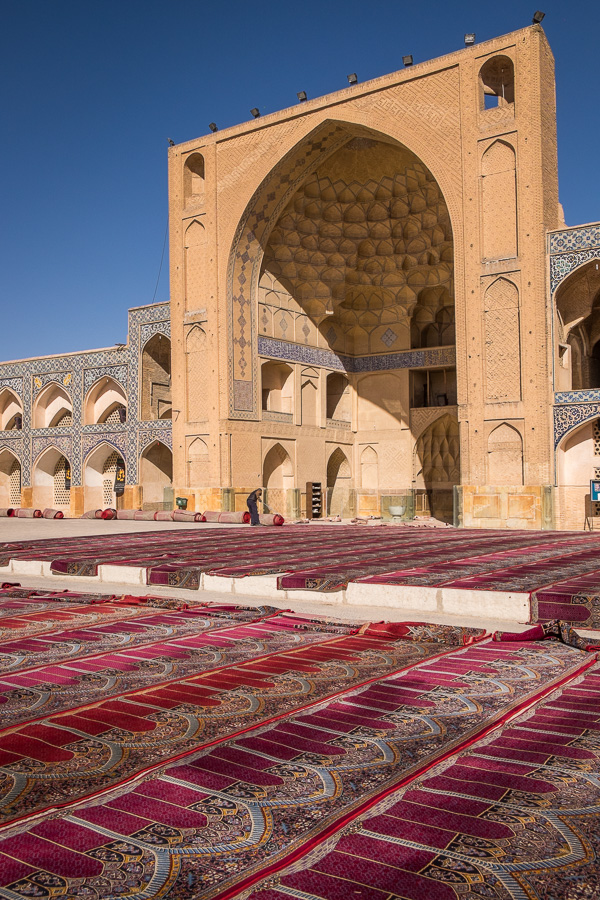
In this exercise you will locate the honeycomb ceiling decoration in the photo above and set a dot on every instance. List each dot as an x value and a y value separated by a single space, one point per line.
362 237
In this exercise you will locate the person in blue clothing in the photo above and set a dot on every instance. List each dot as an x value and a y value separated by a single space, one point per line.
252 501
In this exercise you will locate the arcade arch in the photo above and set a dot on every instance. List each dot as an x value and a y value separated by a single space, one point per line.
52 480
11 410
156 473
10 479
577 329
339 481
437 459
277 387
106 401
156 379
53 407
99 474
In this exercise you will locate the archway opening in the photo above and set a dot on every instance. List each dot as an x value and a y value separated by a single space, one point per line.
339 405
278 478
438 467
10 480
53 408
106 402
11 410
577 329
52 481
155 386
156 472
277 388
339 482
104 470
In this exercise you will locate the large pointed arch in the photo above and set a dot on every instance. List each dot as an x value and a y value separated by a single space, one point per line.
51 480
10 479
258 221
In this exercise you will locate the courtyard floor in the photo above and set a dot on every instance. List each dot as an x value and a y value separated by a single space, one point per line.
159 741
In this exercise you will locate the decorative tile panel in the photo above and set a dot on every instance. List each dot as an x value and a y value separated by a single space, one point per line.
574 239
90 376
562 265
568 417
406 359
588 396
77 372
15 384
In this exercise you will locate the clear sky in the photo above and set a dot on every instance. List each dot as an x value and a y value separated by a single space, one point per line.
92 91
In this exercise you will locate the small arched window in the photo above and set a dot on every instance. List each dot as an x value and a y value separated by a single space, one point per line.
497 83
193 176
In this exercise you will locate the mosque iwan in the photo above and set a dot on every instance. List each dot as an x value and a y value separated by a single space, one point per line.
373 296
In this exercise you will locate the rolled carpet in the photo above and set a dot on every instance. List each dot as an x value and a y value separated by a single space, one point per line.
28 513
163 516
180 516
211 515
109 514
267 519
234 518
92 514
127 514
53 514
8 513
144 515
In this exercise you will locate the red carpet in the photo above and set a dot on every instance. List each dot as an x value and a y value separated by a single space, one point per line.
215 752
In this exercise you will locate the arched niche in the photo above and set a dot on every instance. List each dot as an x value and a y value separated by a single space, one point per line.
369 469
497 83
52 480
278 471
156 474
277 387
379 402
339 400
99 474
195 248
10 479
437 462
502 329
193 178
577 329
350 245
105 401
196 396
53 407
505 456
11 410
499 201
432 322
155 385
198 462
309 397
339 481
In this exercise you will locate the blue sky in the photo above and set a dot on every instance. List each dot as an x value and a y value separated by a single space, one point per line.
92 91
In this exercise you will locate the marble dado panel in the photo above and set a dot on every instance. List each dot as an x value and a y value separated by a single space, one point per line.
574 239
568 417
314 356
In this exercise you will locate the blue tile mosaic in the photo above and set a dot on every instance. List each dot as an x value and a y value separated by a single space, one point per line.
76 373
582 238
566 418
314 356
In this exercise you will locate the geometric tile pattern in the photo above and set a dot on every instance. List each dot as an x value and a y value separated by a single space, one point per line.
592 395
569 249
77 372
404 359
568 417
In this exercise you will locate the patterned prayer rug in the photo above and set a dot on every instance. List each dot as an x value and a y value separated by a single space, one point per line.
244 777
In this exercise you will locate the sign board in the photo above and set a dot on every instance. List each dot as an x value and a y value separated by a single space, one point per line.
120 477
595 491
